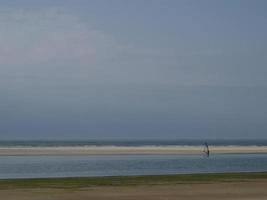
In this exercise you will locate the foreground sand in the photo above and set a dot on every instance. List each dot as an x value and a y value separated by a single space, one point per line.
112 150
250 190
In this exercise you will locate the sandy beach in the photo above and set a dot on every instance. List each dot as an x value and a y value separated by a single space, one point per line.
172 188
115 150
219 191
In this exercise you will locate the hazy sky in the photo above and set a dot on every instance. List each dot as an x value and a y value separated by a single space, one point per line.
133 69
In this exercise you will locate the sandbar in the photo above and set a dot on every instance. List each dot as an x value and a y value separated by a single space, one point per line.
117 150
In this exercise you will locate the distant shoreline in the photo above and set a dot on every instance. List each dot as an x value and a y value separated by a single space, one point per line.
128 150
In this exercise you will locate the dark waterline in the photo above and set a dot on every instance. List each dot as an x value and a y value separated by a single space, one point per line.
55 143
91 166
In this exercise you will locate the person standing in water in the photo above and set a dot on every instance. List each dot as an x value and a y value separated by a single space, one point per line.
206 149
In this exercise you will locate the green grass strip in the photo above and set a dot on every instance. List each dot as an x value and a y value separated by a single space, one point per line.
82 182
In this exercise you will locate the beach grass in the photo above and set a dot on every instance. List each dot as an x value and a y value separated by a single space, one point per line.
84 182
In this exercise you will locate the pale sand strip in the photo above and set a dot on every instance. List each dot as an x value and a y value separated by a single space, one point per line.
113 150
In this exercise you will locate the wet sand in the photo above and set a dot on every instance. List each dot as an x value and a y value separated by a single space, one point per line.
248 190
114 150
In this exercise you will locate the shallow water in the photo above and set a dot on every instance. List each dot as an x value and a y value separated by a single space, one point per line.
73 166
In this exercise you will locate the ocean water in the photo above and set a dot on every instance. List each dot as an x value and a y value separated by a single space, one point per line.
118 165
115 165
55 143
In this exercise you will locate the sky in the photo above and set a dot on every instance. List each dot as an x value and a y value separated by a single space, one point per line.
124 69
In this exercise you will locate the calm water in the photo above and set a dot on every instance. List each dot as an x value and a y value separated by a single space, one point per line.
54 143
71 166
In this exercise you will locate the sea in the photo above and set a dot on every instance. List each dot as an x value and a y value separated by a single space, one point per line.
127 165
